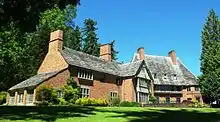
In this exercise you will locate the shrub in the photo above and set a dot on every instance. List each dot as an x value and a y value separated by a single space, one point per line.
3 97
152 99
114 101
197 104
70 91
62 101
129 104
187 102
46 96
91 102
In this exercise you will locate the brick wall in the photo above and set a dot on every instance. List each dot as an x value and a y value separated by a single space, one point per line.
101 86
58 80
128 90
52 62
191 94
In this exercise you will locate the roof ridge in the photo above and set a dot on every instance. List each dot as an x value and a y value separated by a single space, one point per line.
91 55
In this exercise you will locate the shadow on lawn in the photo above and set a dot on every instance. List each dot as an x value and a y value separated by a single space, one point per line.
165 115
43 113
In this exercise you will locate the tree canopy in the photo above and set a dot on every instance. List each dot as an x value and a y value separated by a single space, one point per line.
27 12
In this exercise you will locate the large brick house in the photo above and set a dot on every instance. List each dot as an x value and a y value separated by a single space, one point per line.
165 77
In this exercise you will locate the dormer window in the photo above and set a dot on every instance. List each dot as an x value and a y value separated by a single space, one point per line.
155 75
174 77
85 74
165 77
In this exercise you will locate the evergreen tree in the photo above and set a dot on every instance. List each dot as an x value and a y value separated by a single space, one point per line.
91 45
73 38
210 55
114 52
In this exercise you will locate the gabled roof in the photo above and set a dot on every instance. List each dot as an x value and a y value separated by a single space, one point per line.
130 69
163 65
35 80
83 60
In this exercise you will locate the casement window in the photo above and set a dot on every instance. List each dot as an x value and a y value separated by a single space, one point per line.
29 98
178 100
84 92
142 82
118 81
20 98
174 77
197 89
85 74
165 77
143 97
189 99
167 99
188 89
114 95
155 75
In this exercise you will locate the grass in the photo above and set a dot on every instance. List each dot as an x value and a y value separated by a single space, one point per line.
107 114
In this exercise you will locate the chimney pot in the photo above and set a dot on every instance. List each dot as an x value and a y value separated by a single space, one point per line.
141 53
172 55
105 52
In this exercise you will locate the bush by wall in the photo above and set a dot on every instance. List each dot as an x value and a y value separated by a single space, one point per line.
129 104
46 96
91 102
71 91
196 104
3 97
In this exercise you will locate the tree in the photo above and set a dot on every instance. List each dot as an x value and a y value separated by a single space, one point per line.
27 12
73 38
14 57
114 52
210 43
91 45
22 54
210 57
71 91
210 86
51 20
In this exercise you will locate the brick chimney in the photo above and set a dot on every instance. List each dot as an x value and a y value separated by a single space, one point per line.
54 61
140 51
56 41
172 55
105 52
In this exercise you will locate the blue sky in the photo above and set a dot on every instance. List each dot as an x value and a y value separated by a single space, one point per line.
157 25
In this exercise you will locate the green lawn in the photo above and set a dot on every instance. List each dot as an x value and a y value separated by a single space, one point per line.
107 114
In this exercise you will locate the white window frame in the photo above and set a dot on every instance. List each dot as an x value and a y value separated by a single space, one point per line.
83 91
118 81
83 74
188 89
113 94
